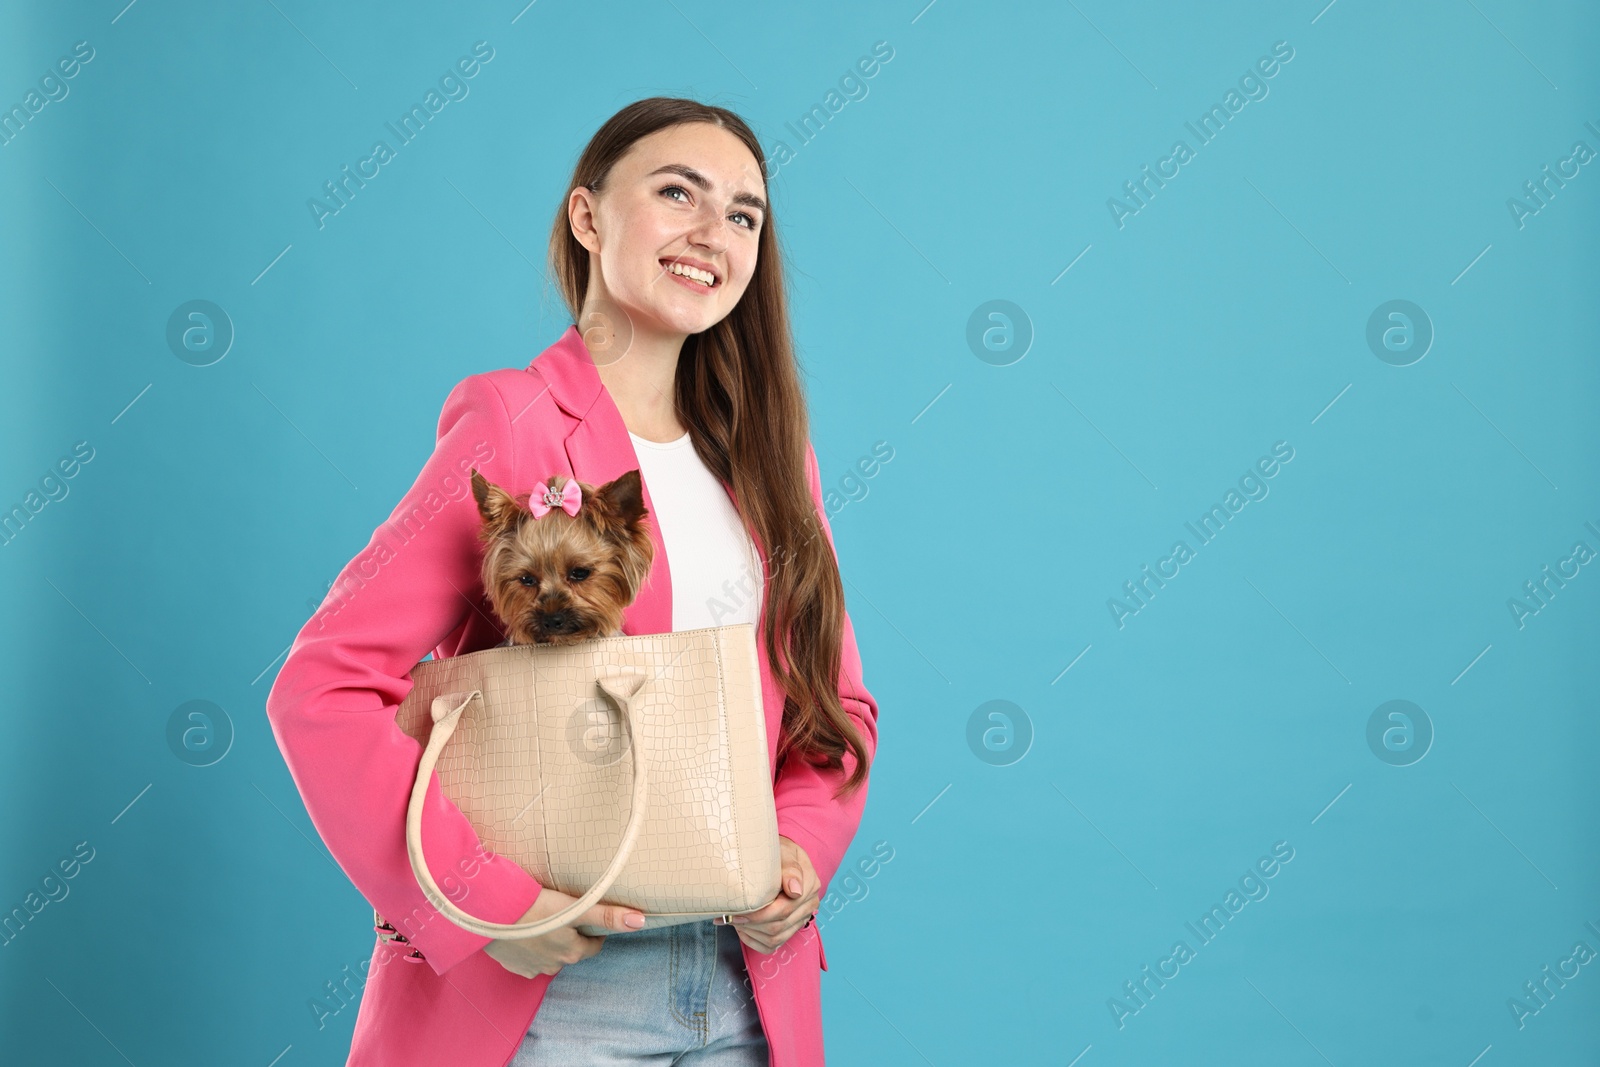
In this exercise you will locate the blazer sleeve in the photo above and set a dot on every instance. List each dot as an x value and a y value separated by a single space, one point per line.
332 706
808 814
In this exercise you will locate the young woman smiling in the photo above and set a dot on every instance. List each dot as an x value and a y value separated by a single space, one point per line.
680 363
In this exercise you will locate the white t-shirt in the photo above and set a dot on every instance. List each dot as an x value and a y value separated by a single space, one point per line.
716 572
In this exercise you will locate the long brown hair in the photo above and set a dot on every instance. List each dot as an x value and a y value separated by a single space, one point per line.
738 391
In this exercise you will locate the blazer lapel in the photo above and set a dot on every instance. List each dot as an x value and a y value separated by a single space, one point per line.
599 450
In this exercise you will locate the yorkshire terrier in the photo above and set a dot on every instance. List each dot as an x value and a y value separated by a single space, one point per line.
560 564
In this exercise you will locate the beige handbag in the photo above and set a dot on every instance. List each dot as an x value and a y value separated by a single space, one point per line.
629 769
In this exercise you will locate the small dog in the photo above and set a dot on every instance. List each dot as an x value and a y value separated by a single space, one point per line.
561 564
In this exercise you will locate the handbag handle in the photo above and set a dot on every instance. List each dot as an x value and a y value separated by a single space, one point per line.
622 689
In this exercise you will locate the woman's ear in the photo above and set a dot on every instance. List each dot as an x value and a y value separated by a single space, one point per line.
583 218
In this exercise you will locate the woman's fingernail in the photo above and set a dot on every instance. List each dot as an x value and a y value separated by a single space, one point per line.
634 921
794 886
741 918
717 921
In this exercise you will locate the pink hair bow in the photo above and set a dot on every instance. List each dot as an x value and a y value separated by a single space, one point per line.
567 498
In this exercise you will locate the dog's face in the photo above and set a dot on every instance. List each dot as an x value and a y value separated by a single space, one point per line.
559 579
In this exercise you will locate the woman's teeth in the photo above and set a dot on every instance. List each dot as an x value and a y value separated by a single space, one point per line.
703 277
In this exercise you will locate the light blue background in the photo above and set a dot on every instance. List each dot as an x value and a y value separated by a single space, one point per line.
1227 315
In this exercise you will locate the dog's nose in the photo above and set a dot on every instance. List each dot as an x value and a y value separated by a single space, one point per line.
557 621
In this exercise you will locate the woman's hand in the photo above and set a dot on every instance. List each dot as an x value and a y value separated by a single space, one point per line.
548 953
767 928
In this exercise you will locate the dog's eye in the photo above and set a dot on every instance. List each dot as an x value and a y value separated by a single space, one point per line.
578 574
527 579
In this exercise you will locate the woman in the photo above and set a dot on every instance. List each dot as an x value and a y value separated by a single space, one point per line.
666 253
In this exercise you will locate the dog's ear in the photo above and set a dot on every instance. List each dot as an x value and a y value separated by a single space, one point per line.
622 500
619 505
499 509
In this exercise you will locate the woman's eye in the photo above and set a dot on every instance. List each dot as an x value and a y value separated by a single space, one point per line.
750 221
528 580
578 574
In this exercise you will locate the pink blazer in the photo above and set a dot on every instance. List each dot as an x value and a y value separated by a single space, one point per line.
415 589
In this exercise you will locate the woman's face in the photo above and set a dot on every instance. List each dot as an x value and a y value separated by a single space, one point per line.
687 197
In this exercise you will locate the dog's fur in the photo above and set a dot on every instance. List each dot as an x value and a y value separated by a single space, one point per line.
560 579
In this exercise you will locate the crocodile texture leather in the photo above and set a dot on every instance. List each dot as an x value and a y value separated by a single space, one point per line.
533 746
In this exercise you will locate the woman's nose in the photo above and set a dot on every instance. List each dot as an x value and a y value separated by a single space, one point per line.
706 229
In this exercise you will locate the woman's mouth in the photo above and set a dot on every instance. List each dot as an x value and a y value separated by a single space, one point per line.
695 278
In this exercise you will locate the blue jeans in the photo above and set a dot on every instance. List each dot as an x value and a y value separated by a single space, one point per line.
670 995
